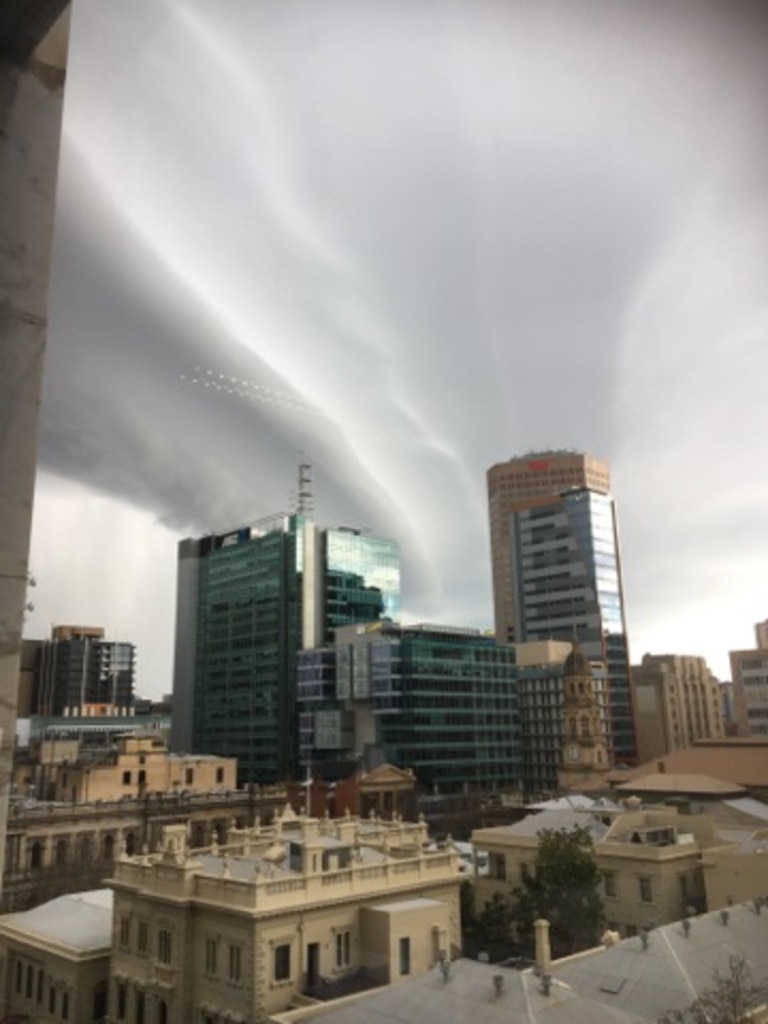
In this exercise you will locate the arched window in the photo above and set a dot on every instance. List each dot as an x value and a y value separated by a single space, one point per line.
108 847
36 855
85 849
130 844
61 852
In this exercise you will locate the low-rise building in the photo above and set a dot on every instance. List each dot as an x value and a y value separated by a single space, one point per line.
54 960
237 932
56 848
650 859
635 981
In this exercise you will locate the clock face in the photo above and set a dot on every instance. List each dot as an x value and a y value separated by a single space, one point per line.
572 752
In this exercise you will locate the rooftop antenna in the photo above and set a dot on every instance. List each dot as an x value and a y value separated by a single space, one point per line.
304 498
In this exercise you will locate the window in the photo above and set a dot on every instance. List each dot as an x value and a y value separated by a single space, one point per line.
235 963
142 943
405 956
19 975
497 866
65 1005
121 1001
282 962
343 944
646 891
164 947
162 1012
219 775
40 985
211 955
30 981
140 1002
51 1000
609 877
142 777
125 930
189 776
126 778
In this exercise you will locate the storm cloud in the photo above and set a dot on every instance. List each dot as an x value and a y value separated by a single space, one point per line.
404 242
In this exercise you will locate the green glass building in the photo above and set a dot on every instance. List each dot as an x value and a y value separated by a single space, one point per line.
442 701
248 601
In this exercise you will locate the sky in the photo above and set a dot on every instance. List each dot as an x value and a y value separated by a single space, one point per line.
407 241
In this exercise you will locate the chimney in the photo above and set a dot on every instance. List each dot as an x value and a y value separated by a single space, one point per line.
543 948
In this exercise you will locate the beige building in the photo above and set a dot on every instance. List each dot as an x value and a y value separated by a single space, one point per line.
52 849
54 960
308 906
522 483
677 702
749 674
635 981
140 764
651 860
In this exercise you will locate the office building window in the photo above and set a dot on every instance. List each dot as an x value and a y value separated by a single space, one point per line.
646 891
282 962
405 956
235 963
211 955
164 945
343 947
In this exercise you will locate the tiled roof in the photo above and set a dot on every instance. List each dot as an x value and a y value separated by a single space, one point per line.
743 763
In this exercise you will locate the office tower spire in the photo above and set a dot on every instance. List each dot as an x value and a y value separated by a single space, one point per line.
557 568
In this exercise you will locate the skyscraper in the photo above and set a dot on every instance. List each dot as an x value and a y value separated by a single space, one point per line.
79 672
440 700
248 601
557 568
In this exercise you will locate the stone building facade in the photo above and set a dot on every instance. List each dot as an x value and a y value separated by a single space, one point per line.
56 848
308 906
652 860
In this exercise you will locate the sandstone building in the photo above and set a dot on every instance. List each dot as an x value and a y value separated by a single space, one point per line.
237 932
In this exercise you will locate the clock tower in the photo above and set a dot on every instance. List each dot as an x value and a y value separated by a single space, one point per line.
585 759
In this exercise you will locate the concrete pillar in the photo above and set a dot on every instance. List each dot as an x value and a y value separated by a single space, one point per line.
543 948
33 57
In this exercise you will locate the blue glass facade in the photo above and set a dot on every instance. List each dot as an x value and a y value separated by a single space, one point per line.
568 583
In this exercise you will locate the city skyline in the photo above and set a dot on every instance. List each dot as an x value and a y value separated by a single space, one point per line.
404 246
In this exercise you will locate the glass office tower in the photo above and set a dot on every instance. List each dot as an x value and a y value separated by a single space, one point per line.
439 699
556 559
248 601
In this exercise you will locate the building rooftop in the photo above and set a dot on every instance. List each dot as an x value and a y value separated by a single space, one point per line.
623 983
533 824
675 783
81 921
743 762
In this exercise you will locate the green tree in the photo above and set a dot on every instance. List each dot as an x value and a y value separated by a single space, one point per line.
731 999
490 930
563 888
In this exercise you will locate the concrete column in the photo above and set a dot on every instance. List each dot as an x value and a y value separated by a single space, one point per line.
543 949
31 92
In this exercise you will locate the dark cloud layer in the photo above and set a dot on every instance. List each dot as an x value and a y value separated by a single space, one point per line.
426 237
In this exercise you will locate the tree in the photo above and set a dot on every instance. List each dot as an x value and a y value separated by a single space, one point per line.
489 931
730 1000
563 888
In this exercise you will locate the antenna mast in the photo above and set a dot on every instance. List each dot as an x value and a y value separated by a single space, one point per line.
305 500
